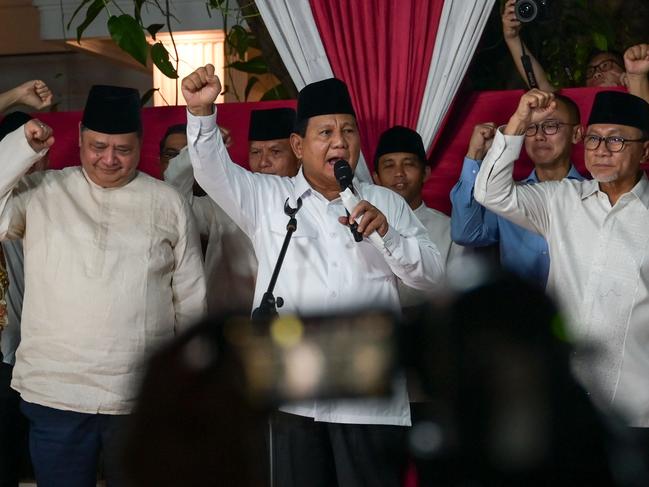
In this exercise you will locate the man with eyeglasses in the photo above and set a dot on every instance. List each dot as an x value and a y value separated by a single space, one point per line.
598 235
548 144
604 68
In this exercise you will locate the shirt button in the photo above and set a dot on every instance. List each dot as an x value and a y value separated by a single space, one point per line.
332 234
334 294
334 264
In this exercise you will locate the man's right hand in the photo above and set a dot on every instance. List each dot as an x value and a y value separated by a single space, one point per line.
481 139
200 89
511 25
39 136
533 107
35 94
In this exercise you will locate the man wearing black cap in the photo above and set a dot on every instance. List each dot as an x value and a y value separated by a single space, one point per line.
350 442
112 270
269 146
598 236
400 165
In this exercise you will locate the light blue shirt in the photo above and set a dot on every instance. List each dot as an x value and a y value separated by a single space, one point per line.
522 252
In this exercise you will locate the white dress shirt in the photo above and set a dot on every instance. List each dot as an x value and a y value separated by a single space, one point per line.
599 271
324 271
230 263
110 274
439 231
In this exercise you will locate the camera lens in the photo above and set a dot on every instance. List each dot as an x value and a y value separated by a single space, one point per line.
526 10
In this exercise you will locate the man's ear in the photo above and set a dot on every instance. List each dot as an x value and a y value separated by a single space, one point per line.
296 145
376 178
577 133
79 134
645 152
426 172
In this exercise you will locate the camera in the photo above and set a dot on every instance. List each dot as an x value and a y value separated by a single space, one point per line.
530 10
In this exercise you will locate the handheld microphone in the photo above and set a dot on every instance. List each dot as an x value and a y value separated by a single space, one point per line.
344 176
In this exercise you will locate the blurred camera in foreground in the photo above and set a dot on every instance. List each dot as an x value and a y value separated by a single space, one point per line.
492 362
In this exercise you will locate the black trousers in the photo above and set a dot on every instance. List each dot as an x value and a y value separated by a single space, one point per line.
14 451
306 452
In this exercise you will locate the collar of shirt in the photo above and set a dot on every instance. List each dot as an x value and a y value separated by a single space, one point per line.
300 187
572 174
640 190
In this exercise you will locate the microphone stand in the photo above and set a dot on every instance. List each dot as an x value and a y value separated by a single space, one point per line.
267 309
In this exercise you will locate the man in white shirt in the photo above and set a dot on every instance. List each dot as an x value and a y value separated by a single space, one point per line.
400 165
598 236
230 263
345 442
112 270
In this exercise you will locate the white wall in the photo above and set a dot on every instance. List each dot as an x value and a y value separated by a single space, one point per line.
70 75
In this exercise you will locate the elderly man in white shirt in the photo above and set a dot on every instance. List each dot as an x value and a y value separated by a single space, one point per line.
112 270
598 236
325 270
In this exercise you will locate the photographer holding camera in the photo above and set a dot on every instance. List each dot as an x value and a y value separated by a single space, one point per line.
604 68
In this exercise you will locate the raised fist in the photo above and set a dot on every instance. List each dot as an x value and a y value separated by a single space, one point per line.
39 136
636 60
511 25
481 139
200 89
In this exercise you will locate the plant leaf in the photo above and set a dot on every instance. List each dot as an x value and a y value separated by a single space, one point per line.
147 96
81 5
160 58
153 29
256 65
129 36
600 41
252 81
238 39
277 92
91 14
137 10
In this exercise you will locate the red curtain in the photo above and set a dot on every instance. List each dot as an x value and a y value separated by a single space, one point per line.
382 49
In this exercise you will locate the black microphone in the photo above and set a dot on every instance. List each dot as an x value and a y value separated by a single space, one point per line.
344 176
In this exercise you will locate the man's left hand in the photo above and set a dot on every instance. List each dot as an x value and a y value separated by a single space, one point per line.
636 60
533 107
372 219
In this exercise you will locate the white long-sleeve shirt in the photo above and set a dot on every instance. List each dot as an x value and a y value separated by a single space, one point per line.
599 270
230 263
324 271
110 274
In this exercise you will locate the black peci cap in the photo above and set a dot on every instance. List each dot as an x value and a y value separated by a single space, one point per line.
621 109
271 124
12 121
400 139
324 97
112 110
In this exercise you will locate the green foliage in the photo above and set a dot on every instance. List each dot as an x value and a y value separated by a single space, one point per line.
128 35
277 92
160 58
147 96
255 65
128 31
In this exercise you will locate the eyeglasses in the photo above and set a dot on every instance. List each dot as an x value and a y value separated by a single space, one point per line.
548 127
169 153
601 67
613 143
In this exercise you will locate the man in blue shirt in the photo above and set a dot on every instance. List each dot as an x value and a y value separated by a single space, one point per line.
548 144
